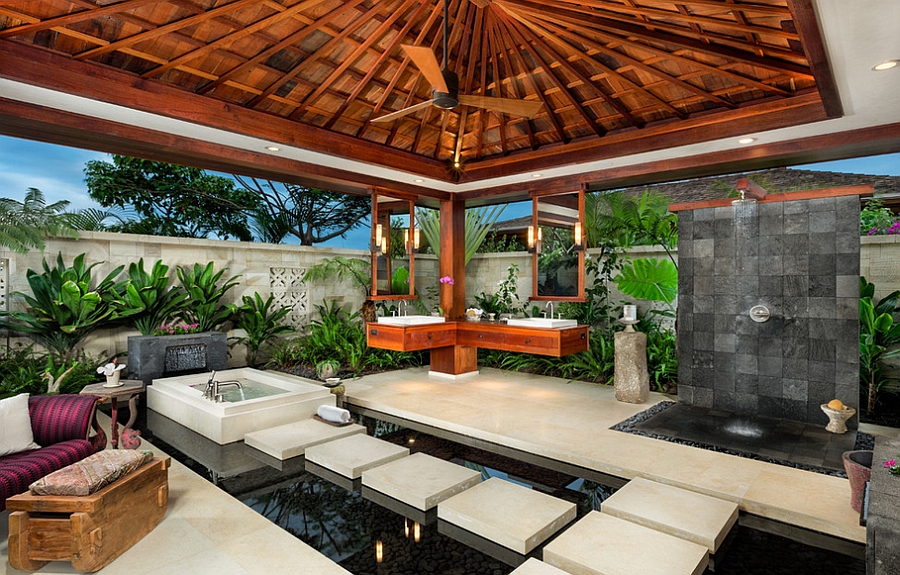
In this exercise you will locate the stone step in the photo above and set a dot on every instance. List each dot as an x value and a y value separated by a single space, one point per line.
351 455
537 567
600 544
291 440
420 480
691 516
508 514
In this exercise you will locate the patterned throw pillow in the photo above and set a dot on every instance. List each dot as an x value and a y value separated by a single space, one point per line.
16 434
91 473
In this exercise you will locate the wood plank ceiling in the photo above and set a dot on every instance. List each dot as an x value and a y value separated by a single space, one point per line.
611 75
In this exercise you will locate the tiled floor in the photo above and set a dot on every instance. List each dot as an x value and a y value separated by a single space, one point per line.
207 531
780 439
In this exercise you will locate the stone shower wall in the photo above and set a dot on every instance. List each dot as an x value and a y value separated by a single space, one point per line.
801 260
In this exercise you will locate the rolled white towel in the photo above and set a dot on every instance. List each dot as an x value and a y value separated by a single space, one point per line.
333 414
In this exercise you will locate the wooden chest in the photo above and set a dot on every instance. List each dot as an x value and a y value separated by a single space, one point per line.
90 531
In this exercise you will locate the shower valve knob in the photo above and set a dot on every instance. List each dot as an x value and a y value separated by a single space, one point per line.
759 313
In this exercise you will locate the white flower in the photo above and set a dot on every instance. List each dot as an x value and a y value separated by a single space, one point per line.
110 368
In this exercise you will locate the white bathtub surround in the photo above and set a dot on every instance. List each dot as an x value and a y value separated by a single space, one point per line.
181 399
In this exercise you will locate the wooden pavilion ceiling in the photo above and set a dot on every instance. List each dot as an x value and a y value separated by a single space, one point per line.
612 75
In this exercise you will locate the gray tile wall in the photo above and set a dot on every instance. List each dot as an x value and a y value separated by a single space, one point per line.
801 260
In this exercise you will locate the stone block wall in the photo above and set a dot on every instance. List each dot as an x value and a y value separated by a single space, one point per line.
800 259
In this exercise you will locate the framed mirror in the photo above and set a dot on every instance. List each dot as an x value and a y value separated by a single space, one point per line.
394 243
556 241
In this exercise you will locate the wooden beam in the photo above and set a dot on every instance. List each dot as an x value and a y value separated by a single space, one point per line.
804 17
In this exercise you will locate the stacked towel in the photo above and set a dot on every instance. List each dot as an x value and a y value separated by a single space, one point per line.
333 414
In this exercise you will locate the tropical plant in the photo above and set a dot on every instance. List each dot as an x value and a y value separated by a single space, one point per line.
356 270
649 279
25 225
94 219
877 219
201 283
64 308
595 364
478 223
632 221
260 322
505 298
879 336
662 358
149 294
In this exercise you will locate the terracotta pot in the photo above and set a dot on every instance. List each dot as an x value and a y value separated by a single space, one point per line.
858 465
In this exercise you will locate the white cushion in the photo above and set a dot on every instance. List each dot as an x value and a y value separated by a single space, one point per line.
15 432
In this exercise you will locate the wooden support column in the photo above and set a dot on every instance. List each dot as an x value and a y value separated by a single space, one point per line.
458 359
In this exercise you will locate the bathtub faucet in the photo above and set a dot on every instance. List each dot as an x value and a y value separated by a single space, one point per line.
212 387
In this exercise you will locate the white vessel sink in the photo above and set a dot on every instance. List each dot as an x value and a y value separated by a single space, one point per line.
411 320
542 322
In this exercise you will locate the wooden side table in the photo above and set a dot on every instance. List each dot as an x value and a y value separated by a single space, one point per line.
130 390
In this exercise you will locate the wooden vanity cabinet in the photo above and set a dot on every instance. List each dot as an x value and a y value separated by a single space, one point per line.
539 341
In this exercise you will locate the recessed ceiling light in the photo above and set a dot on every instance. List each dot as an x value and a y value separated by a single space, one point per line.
536 175
418 180
746 140
886 65
273 148
456 164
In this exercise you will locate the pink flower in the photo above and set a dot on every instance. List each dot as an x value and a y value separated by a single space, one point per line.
890 463
446 280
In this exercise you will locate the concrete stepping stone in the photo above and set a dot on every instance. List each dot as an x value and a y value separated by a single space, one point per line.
291 440
508 514
351 455
420 480
537 567
600 544
692 516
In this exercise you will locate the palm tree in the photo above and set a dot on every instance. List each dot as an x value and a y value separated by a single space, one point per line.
25 225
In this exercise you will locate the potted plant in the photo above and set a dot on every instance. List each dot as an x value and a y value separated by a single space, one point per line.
112 371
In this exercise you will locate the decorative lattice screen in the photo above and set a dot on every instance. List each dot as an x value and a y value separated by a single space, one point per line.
288 289
4 284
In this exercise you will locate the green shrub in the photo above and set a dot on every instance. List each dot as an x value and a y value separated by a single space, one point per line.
205 294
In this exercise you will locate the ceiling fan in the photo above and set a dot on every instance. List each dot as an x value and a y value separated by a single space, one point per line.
445 86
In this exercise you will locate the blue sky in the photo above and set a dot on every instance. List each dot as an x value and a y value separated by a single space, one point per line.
58 171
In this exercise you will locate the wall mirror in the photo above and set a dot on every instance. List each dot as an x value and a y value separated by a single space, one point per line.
394 243
556 240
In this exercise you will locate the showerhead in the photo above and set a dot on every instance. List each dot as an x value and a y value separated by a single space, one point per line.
748 187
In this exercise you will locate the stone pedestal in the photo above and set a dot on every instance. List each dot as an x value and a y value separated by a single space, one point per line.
632 381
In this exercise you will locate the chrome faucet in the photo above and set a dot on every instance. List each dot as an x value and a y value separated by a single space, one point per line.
212 387
404 307
550 305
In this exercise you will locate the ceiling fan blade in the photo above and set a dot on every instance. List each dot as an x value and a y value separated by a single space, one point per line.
404 112
526 108
427 62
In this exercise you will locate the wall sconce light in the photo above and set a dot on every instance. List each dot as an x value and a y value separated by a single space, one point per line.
416 532
406 527
412 247
378 244
579 237
534 243
379 552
